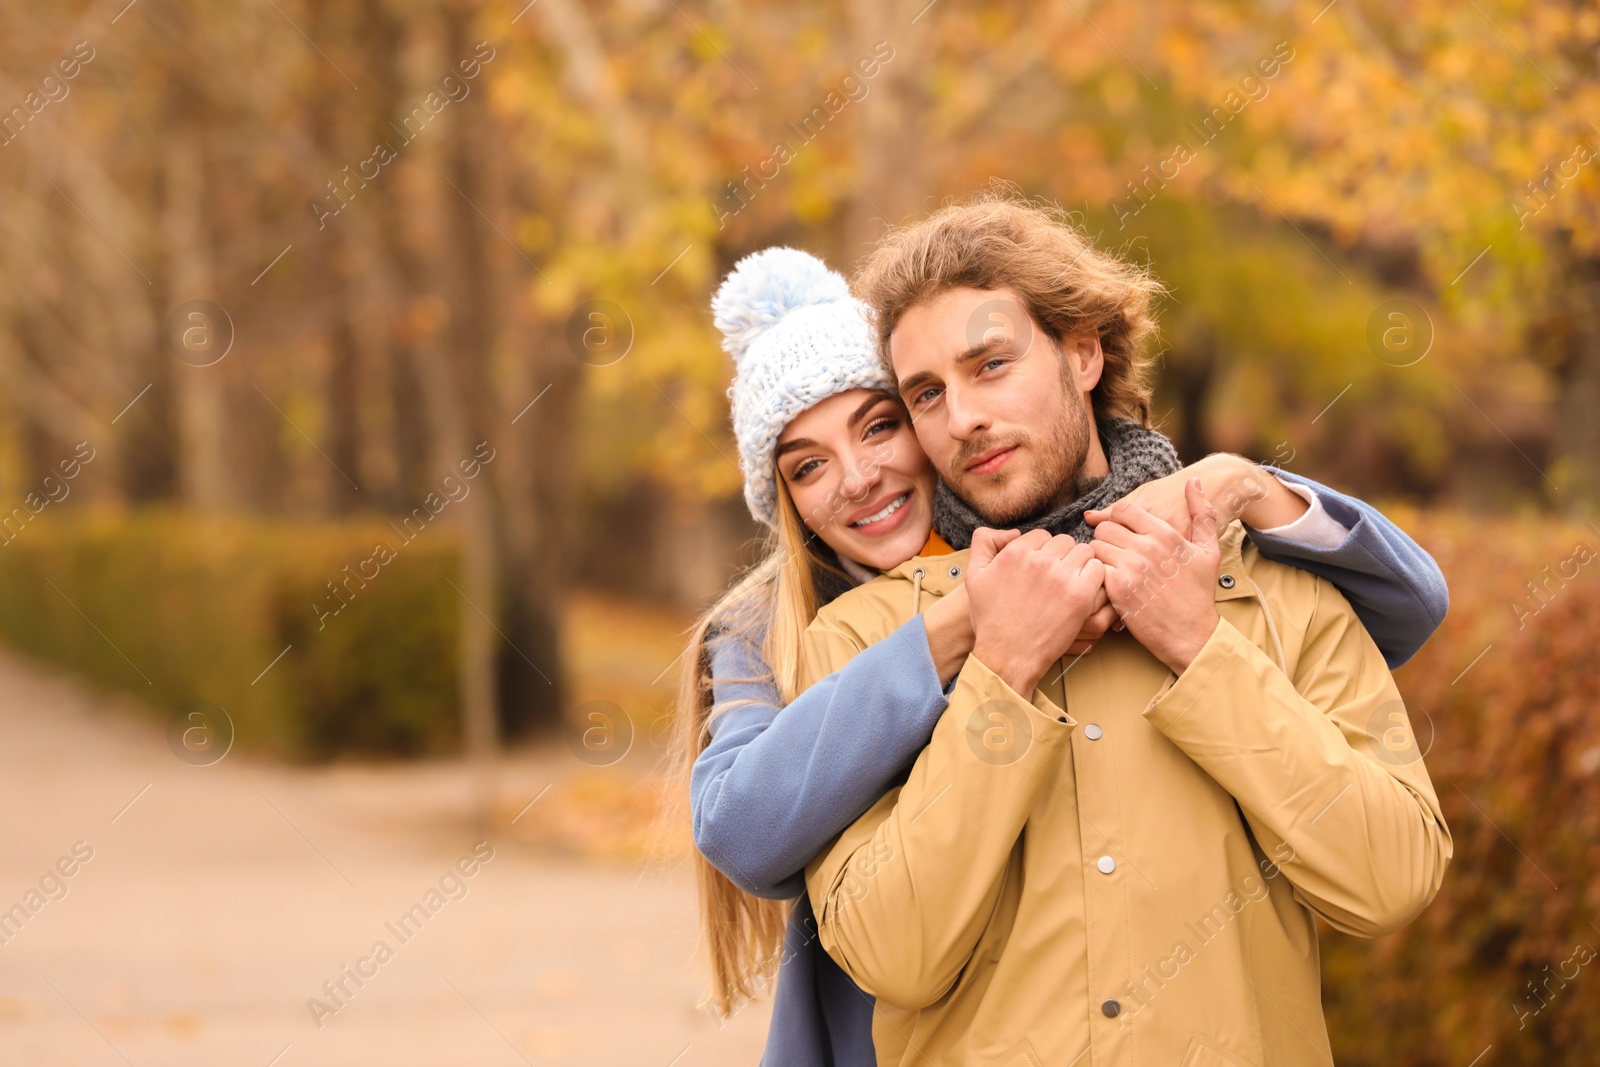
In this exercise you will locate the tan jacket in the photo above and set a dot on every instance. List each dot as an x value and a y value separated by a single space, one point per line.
1123 869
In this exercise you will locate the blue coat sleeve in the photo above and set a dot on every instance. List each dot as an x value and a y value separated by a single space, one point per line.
1394 585
775 784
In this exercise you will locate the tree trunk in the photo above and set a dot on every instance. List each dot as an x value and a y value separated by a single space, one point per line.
1188 379
202 399
888 126
1576 436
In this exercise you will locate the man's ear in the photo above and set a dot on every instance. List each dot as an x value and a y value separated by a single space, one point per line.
1082 352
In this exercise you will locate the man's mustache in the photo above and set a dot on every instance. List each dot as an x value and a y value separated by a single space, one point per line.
972 450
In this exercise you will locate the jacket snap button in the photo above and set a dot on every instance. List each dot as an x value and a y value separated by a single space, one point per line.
955 572
1106 864
1093 731
1226 581
1110 1009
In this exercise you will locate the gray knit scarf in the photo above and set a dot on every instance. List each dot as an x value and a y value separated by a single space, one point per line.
1136 455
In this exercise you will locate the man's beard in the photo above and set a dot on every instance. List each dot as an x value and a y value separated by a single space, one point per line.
1057 479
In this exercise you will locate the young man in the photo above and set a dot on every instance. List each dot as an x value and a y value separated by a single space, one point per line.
1114 858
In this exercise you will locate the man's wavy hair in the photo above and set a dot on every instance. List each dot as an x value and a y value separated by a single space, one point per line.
1002 240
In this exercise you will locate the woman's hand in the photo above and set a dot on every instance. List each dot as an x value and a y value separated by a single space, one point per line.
950 633
1236 488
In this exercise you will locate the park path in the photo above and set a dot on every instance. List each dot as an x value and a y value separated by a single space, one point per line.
218 900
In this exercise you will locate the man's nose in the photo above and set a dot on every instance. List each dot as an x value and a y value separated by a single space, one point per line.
963 418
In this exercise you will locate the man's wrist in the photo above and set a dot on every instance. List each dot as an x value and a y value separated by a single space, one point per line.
1188 647
1021 677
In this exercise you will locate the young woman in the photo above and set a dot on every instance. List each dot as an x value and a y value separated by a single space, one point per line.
833 468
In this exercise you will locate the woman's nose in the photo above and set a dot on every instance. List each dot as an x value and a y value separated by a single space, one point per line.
862 473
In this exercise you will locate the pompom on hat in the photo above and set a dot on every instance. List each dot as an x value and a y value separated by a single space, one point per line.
797 337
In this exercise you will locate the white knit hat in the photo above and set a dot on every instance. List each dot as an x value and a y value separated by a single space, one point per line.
797 337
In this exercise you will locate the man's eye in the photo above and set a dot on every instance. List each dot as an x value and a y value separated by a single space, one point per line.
993 363
927 395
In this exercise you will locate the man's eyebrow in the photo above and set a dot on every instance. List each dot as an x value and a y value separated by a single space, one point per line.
982 348
907 385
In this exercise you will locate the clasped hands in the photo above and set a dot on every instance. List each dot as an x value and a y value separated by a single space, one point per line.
1034 597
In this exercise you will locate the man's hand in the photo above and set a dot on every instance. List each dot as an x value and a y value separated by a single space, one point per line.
1030 595
1096 626
1237 488
1160 581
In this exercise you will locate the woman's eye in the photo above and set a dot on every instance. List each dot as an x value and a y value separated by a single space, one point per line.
805 468
882 426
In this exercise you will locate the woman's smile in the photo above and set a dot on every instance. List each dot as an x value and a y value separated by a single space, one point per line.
886 519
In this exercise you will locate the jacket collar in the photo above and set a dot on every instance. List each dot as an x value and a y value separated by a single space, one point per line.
1233 581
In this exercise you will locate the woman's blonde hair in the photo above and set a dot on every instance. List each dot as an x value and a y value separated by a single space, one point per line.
1001 240
770 605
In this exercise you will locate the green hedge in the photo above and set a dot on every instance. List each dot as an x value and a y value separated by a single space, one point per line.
195 608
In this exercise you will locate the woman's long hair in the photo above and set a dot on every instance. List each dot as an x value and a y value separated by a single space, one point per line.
771 605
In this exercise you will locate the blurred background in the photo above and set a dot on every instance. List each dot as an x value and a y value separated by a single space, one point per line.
364 456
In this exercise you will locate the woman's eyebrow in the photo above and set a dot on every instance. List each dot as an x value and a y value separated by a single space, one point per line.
859 413
855 417
790 446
